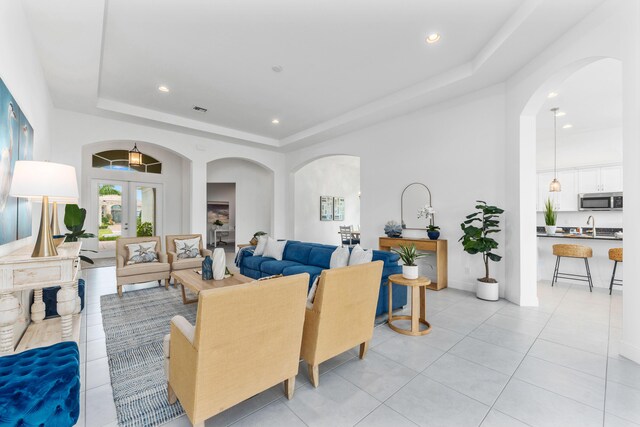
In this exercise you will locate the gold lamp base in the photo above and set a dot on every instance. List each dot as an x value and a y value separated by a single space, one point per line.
55 226
44 243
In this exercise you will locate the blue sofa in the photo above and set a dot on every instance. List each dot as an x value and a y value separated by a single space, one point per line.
312 258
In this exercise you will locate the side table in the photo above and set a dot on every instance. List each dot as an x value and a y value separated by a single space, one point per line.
418 305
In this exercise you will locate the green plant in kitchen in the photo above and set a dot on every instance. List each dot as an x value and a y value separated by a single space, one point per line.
74 217
550 217
478 228
409 254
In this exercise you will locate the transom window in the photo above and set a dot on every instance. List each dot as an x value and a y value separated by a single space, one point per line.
119 160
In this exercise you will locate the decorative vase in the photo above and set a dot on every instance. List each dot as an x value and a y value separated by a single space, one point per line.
219 264
207 268
433 235
410 272
550 229
488 291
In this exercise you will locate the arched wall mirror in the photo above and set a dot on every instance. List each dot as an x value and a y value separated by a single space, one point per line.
415 197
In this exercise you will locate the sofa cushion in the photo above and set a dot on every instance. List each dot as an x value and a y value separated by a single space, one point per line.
297 269
321 256
143 268
276 267
254 262
298 252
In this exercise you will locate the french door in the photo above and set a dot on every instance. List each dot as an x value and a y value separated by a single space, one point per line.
124 209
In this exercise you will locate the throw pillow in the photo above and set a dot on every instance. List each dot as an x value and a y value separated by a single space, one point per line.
142 252
274 248
312 293
339 257
262 243
360 256
188 248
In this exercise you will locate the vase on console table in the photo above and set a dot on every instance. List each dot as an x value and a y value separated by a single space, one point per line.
219 264
207 268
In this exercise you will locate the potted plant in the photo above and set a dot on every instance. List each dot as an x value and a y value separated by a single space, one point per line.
550 217
409 255
254 239
477 229
433 231
74 217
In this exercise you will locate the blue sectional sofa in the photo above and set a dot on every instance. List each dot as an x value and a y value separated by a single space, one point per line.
312 258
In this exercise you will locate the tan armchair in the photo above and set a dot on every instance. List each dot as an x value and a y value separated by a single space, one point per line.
246 339
342 315
183 264
143 272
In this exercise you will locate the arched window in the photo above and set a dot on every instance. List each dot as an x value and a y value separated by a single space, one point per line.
119 160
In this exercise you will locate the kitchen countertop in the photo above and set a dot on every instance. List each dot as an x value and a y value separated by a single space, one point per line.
579 236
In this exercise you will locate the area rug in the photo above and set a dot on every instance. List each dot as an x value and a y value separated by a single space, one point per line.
134 326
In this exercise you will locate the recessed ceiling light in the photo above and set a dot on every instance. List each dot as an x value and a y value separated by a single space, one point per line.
567 126
560 114
552 94
163 88
277 68
432 38
275 121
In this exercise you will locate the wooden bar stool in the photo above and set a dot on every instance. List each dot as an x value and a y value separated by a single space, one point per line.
572 251
615 254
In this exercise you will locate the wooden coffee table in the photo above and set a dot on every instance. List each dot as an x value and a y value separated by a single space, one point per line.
418 305
192 280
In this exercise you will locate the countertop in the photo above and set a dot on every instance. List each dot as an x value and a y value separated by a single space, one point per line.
579 236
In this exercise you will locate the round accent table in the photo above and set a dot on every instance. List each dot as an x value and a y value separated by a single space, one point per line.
418 305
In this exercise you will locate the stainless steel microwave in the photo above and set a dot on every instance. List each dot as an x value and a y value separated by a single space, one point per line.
600 202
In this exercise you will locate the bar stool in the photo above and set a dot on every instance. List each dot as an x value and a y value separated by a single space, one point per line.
615 254
572 251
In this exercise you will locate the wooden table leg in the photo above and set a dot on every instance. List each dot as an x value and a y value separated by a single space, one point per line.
37 308
415 297
66 305
390 291
9 312
184 297
423 303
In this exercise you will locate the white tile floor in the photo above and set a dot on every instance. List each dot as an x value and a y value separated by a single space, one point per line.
485 363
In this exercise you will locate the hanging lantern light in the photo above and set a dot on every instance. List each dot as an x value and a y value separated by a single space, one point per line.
135 156
554 186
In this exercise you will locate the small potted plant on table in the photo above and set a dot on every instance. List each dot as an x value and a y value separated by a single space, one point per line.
409 255
550 217
477 228
433 231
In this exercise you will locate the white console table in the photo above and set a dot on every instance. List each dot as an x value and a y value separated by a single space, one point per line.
20 272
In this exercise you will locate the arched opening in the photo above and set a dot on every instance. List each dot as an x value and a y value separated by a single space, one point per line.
588 138
240 194
122 200
326 194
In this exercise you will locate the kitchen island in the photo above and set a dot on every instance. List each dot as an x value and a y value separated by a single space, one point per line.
600 265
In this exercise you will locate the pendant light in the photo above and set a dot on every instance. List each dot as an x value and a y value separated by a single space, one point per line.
554 186
135 156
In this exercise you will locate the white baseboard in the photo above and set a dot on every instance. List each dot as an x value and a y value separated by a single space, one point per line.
630 351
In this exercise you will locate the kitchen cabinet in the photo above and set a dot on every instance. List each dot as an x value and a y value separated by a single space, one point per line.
603 179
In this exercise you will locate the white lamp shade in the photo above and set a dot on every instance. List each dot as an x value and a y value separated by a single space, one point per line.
33 180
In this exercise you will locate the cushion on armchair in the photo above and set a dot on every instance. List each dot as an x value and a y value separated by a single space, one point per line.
139 253
41 387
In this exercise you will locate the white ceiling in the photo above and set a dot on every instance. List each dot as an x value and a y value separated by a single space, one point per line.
346 63
591 99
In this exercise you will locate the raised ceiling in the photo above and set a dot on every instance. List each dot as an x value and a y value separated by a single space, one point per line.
345 63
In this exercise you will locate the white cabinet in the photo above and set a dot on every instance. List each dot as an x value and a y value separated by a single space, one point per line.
603 179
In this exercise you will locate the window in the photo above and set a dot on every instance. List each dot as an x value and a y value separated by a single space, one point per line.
119 160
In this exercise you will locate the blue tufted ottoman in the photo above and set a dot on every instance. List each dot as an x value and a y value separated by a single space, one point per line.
41 387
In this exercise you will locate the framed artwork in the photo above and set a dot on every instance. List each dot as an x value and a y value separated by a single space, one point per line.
218 211
16 143
338 208
326 208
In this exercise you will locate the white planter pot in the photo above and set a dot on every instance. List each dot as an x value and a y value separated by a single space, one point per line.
410 271
488 291
550 229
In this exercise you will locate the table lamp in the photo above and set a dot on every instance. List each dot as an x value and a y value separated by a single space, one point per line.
40 181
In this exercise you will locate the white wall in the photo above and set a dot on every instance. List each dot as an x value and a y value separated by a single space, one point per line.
593 148
254 196
224 192
457 149
337 176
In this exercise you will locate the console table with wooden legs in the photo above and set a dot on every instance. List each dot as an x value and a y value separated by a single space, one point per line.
21 272
437 246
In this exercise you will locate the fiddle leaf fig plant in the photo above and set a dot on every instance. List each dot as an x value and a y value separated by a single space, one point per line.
478 228
74 217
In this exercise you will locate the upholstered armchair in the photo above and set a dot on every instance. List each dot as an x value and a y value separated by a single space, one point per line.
342 315
246 340
141 272
182 264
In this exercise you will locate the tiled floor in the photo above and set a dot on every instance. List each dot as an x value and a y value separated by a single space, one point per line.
485 363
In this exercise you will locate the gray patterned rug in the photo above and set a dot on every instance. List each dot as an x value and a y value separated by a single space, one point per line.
134 326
